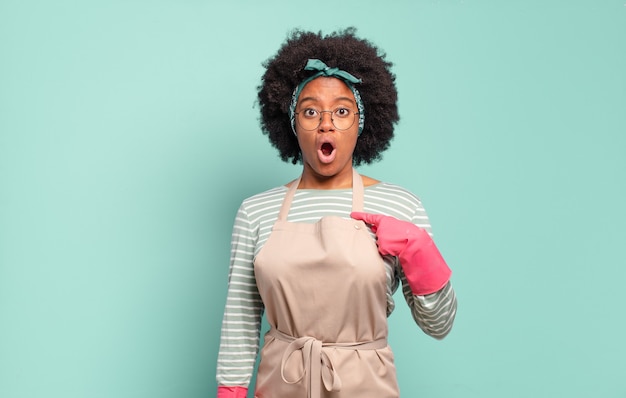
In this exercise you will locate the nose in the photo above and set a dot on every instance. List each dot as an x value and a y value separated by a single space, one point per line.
326 123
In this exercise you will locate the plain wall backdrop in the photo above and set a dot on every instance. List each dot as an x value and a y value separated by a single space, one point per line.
129 136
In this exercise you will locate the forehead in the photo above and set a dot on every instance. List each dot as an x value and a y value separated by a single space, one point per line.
326 89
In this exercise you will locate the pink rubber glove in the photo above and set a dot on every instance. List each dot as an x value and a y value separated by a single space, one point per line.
231 392
424 267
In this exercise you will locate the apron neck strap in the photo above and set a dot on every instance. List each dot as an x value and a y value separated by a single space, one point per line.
357 191
357 195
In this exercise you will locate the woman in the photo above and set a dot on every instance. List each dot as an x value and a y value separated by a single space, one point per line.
323 255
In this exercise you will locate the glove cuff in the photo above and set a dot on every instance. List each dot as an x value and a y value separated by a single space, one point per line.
424 267
231 392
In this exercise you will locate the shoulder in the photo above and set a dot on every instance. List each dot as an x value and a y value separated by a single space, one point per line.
262 199
372 183
392 199
259 210
392 192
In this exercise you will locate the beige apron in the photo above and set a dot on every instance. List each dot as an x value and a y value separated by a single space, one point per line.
324 290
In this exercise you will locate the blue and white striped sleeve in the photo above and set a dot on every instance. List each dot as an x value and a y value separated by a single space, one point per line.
239 342
434 313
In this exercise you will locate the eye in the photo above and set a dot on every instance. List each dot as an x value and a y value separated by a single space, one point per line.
310 113
342 112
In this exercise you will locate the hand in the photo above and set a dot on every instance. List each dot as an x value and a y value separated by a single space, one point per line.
392 234
424 267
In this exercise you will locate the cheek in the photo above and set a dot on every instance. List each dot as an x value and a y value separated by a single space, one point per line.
351 141
306 143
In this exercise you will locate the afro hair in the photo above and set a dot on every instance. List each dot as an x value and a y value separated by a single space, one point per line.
341 49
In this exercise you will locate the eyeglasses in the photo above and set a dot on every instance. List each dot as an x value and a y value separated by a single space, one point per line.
310 119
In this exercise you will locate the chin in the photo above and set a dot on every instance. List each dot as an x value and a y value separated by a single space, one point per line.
328 170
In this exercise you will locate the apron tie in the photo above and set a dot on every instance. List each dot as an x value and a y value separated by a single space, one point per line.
316 362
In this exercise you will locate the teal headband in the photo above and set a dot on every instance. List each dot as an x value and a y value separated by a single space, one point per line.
324 70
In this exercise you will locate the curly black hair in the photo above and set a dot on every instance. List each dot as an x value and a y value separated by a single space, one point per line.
341 49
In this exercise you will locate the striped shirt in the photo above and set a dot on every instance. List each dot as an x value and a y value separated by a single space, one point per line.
241 324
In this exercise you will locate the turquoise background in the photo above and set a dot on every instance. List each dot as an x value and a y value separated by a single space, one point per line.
129 136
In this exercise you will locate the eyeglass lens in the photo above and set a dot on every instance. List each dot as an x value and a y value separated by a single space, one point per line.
310 119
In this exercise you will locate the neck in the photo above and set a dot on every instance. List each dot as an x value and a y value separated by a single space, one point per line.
311 180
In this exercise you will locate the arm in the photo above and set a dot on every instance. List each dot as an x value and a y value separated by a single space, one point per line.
423 272
241 324
434 313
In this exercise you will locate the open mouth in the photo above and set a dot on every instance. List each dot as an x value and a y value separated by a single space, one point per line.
327 148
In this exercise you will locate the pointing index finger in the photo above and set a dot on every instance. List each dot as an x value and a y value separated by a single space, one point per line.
369 218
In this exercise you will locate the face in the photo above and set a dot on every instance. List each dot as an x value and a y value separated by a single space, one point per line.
327 151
